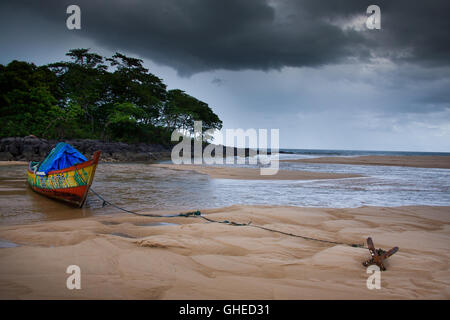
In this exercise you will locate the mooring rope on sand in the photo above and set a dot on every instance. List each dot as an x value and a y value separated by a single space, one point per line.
198 214
106 202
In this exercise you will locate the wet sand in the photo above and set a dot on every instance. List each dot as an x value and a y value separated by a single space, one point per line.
442 162
13 163
123 257
216 172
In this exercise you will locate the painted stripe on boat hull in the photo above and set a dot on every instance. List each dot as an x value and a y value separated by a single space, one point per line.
72 195
69 185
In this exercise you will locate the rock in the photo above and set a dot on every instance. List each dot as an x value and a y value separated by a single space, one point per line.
29 156
33 148
33 140
6 156
134 156
44 149
27 148
118 156
14 149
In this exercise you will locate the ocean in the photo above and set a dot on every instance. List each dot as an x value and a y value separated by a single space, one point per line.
313 153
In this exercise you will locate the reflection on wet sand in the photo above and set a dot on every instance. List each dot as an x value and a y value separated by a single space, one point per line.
19 204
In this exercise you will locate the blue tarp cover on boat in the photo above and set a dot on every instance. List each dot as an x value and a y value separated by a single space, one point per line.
62 156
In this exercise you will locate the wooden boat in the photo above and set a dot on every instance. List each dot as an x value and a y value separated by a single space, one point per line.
69 184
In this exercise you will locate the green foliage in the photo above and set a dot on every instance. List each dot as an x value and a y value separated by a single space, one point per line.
181 110
86 98
27 99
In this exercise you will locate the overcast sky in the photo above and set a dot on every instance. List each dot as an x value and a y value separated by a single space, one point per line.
309 68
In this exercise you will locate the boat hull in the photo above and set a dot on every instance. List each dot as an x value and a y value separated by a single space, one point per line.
70 184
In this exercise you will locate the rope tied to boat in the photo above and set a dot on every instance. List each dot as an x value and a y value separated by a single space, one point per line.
198 214
106 202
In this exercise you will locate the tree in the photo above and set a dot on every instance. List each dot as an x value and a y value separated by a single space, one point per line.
131 82
83 83
27 99
123 122
181 110
86 98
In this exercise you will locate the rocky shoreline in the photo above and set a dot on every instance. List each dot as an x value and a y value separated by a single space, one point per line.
31 148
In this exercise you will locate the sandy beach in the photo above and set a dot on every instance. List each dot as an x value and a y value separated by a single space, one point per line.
131 257
442 162
13 163
216 172
124 256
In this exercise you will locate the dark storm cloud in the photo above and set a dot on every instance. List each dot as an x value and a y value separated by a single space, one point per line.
412 31
202 35
217 81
